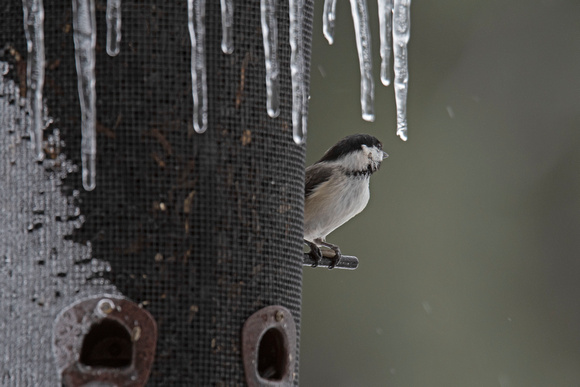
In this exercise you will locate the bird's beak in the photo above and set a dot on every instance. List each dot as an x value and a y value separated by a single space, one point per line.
385 155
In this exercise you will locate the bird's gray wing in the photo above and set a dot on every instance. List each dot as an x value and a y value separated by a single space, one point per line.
315 175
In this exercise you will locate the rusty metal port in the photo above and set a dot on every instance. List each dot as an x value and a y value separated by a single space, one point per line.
106 340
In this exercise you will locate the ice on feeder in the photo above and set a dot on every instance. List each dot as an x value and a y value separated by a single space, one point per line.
385 27
227 10
85 37
196 25
401 35
270 37
33 11
113 27
360 19
299 97
328 19
11 96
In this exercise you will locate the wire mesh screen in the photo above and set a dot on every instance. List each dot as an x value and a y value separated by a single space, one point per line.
201 230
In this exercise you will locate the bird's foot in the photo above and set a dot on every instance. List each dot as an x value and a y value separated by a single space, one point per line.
314 253
336 258
335 248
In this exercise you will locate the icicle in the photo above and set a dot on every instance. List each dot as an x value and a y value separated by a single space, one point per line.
270 36
196 24
299 99
385 26
85 37
34 29
401 34
328 18
113 27
360 19
227 8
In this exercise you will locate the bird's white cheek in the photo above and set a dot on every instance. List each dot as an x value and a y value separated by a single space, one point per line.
377 155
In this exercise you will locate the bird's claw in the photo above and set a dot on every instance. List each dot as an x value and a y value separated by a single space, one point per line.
316 255
336 258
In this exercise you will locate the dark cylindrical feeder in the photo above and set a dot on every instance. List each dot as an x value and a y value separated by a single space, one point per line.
201 230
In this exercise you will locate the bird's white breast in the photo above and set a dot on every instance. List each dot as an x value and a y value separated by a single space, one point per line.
333 203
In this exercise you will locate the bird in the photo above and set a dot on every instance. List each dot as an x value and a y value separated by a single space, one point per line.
337 188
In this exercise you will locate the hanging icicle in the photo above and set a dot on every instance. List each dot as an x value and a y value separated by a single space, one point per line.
196 24
360 18
385 27
270 36
113 27
299 97
85 37
328 18
34 29
401 35
227 9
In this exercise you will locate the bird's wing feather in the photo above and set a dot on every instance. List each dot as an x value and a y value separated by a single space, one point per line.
316 175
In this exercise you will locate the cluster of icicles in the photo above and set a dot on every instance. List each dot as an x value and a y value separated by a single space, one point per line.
85 38
393 16
268 9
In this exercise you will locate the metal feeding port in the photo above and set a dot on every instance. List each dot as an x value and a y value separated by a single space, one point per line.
269 347
106 339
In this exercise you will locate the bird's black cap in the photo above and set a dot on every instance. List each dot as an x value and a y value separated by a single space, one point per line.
350 144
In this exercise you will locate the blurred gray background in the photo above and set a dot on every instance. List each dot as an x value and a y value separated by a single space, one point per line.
469 248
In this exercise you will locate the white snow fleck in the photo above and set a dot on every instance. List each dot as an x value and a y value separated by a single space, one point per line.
270 37
450 112
34 29
196 24
113 27
85 37
504 381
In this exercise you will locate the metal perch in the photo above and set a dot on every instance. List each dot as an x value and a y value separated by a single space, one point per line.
347 262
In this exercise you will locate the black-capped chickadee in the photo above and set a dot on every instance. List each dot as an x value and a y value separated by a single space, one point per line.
337 188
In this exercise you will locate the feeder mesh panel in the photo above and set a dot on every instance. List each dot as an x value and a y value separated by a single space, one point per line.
202 230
